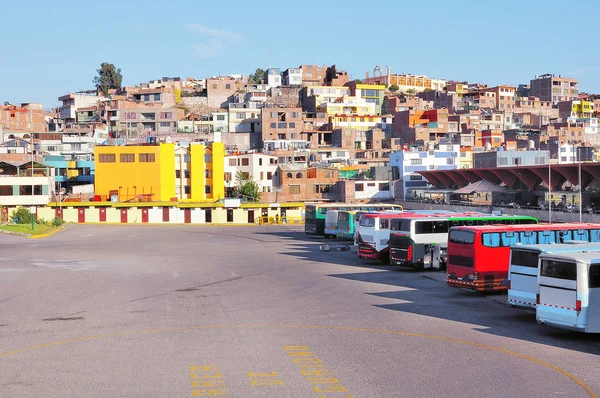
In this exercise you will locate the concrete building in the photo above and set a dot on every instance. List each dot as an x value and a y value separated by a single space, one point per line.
25 118
296 182
335 77
72 102
160 172
257 166
553 88
312 97
20 176
273 77
220 91
292 77
510 158
141 122
372 93
407 163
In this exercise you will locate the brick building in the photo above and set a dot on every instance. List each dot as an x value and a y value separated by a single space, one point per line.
549 87
281 123
24 118
220 91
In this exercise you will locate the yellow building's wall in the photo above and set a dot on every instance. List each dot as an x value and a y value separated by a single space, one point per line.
219 216
218 170
128 178
167 173
197 167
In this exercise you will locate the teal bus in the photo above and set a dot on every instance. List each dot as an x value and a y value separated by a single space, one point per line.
423 242
314 214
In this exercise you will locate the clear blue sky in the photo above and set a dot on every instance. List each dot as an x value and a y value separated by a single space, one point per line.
53 48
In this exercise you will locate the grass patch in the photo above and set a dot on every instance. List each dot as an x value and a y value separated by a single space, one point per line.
25 229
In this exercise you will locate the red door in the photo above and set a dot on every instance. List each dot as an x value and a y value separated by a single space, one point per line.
124 216
4 214
144 215
81 215
103 214
187 214
165 214
58 212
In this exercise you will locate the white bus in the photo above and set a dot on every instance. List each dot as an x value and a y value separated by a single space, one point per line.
568 291
331 220
523 268
423 242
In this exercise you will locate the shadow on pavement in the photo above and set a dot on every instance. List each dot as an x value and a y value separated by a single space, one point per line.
428 295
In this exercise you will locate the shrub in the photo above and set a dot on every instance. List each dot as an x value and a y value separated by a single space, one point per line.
21 216
57 222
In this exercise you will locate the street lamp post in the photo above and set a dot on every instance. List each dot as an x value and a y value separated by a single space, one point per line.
580 184
32 188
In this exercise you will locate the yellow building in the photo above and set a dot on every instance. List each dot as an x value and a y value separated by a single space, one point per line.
151 173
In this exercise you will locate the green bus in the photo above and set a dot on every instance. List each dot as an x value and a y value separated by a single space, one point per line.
314 216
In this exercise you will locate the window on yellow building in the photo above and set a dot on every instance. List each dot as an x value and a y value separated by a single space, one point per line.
147 158
127 158
177 173
207 189
207 173
107 158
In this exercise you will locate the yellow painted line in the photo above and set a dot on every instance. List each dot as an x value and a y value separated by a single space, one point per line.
46 235
563 372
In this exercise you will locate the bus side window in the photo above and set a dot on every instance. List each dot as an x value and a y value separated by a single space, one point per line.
509 238
511 222
491 239
384 223
594 281
546 237
565 236
440 227
457 223
581 234
595 235
528 237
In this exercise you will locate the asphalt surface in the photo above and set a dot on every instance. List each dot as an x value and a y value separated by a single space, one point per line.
183 311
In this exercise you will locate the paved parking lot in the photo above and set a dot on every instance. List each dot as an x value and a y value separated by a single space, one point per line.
179 311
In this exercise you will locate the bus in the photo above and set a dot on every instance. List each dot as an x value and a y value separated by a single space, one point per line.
314 214
345 225
478 256
331 220
374 232
422 243
568 291
523 268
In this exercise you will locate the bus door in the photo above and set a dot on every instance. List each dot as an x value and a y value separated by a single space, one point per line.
593 322
557 301
431 255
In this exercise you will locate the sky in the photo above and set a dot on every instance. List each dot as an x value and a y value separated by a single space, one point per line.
49 49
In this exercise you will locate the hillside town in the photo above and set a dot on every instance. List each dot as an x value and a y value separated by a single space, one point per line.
304 134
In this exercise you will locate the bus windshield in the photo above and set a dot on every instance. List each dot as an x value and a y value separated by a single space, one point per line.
367 222
462 237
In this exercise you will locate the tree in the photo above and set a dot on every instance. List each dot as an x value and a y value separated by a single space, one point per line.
246 187
393 88
411 91
108 78
257 77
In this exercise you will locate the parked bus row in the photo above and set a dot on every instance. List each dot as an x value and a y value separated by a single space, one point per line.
552 268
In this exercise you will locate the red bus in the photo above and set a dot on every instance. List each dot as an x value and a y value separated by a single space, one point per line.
478 256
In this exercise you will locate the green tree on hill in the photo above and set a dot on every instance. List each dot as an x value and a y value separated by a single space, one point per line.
108 78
